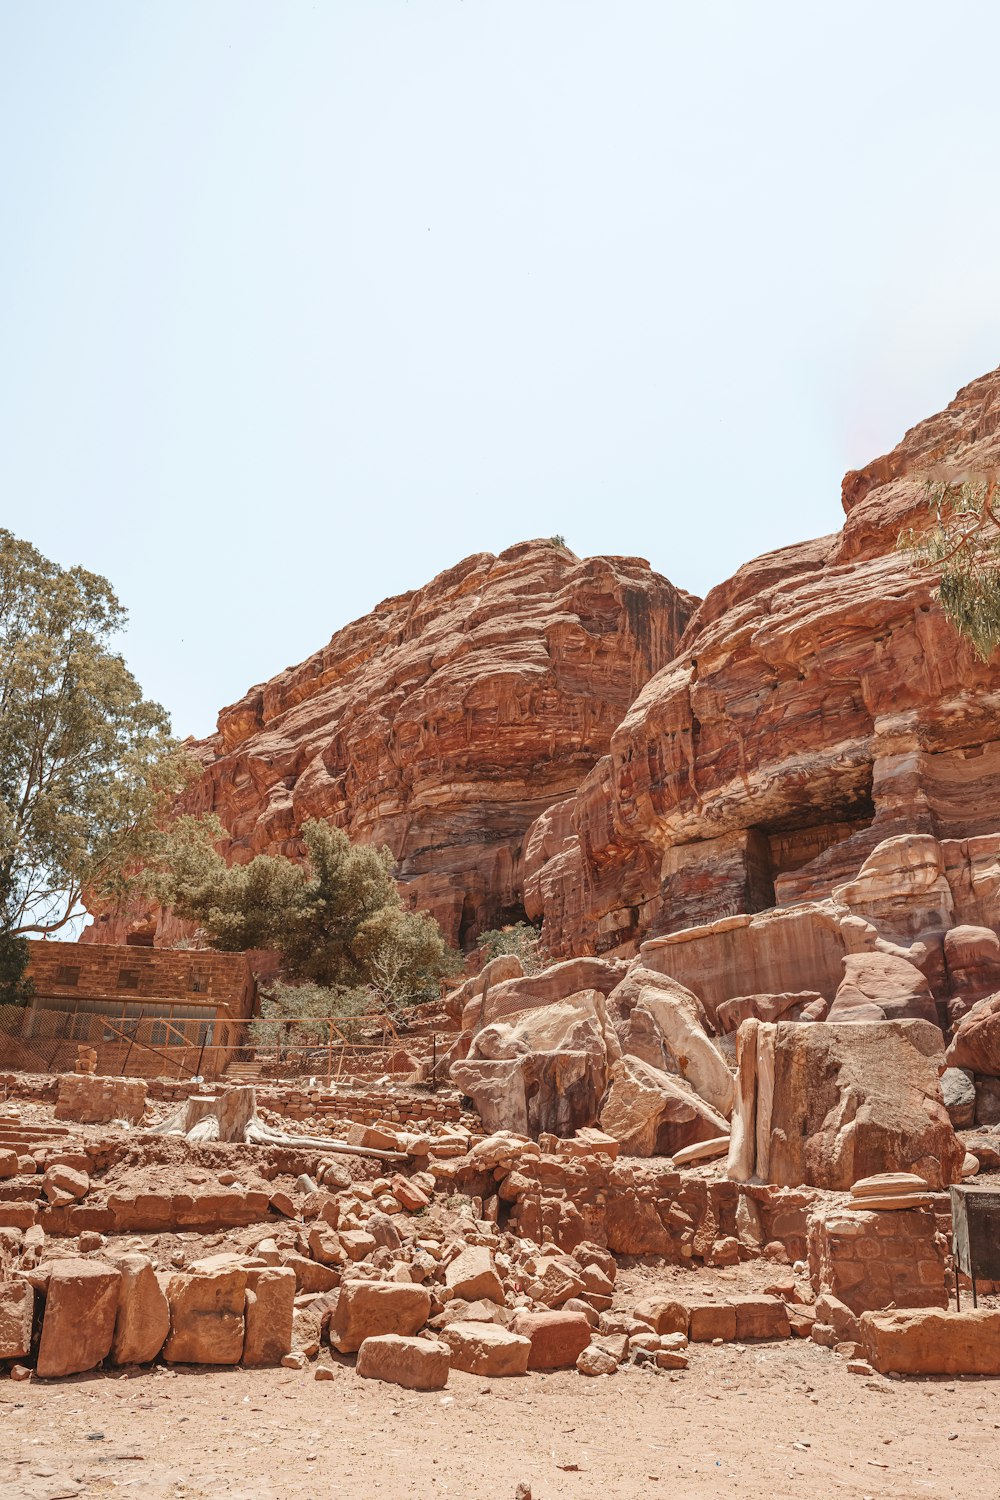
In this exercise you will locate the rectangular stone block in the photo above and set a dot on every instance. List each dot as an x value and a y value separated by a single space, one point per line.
931 1341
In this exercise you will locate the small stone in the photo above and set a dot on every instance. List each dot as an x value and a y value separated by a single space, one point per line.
323 1372
294 1361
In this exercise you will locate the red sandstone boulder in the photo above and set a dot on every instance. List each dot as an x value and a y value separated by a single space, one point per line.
557 1338
828 1104
368 1308
62 1184
654 1113
9 1166
471 1275
976 1042
269 1314
417 1364
17 1305
78 1326
932 1341
488 1349
142 1321
882 987
972 957
206 1316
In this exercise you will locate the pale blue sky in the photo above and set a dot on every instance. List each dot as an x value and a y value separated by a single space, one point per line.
301 303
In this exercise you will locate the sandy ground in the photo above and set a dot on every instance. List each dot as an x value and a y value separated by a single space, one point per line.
764 1420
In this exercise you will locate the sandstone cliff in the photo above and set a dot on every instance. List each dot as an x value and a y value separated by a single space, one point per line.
818 704
442 724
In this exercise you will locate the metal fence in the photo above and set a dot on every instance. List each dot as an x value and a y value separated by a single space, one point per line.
50 1040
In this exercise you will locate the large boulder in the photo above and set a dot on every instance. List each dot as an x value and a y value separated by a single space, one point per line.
368 1308
17 1305
661 1022
270 1313
826 1105
557 1338
471 1275
143 1318
206 1316
882 987
417 1364
976 1042
932 1341
972 958
512 997
544 1070
653 1113
486 1348
81 1305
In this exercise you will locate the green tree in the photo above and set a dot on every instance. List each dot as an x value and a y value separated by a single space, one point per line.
336 920
962 543
87 765
520 939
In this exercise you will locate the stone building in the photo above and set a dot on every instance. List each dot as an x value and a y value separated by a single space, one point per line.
146 1011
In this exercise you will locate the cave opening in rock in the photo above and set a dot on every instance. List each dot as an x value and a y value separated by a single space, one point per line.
468 926
806 842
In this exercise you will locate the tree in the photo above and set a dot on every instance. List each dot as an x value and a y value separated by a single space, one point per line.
963 544
520 939
337 920
87 765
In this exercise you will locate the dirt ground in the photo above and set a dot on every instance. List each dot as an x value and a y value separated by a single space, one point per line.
764 1420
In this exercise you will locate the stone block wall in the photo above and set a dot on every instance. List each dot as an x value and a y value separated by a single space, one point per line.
96 1101
872 1259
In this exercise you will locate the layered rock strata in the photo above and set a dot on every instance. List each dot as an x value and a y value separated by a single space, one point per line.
819 703
442 724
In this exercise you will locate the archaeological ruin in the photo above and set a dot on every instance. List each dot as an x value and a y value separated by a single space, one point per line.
745 1100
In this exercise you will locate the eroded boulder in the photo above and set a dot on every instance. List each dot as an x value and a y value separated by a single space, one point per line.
368 1308
653 1113
417 1364
78 1326
825 1104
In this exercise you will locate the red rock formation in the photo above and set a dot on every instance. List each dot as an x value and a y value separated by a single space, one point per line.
819 703
443 724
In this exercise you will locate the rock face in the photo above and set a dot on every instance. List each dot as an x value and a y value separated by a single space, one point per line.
819 703
827 1105
443 724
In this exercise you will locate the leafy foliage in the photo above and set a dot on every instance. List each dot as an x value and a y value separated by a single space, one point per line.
283 1003
963 544
520 939
337 921
87 764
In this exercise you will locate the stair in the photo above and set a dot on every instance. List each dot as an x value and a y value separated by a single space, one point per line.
243 1072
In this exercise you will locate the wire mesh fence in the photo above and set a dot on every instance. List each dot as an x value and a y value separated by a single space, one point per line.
154 1042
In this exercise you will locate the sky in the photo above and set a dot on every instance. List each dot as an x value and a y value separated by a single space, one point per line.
301 303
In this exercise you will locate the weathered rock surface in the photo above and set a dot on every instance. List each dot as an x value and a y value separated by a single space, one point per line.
442 724
206 1316
368 1308
81 1304
557 1338
487 1349
931 1341
417 1364
828 1104
653 1113
976 1041
818 704
17 1302
143 1318
269 1315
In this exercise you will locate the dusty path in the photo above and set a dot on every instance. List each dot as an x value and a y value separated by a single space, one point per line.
764 1421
